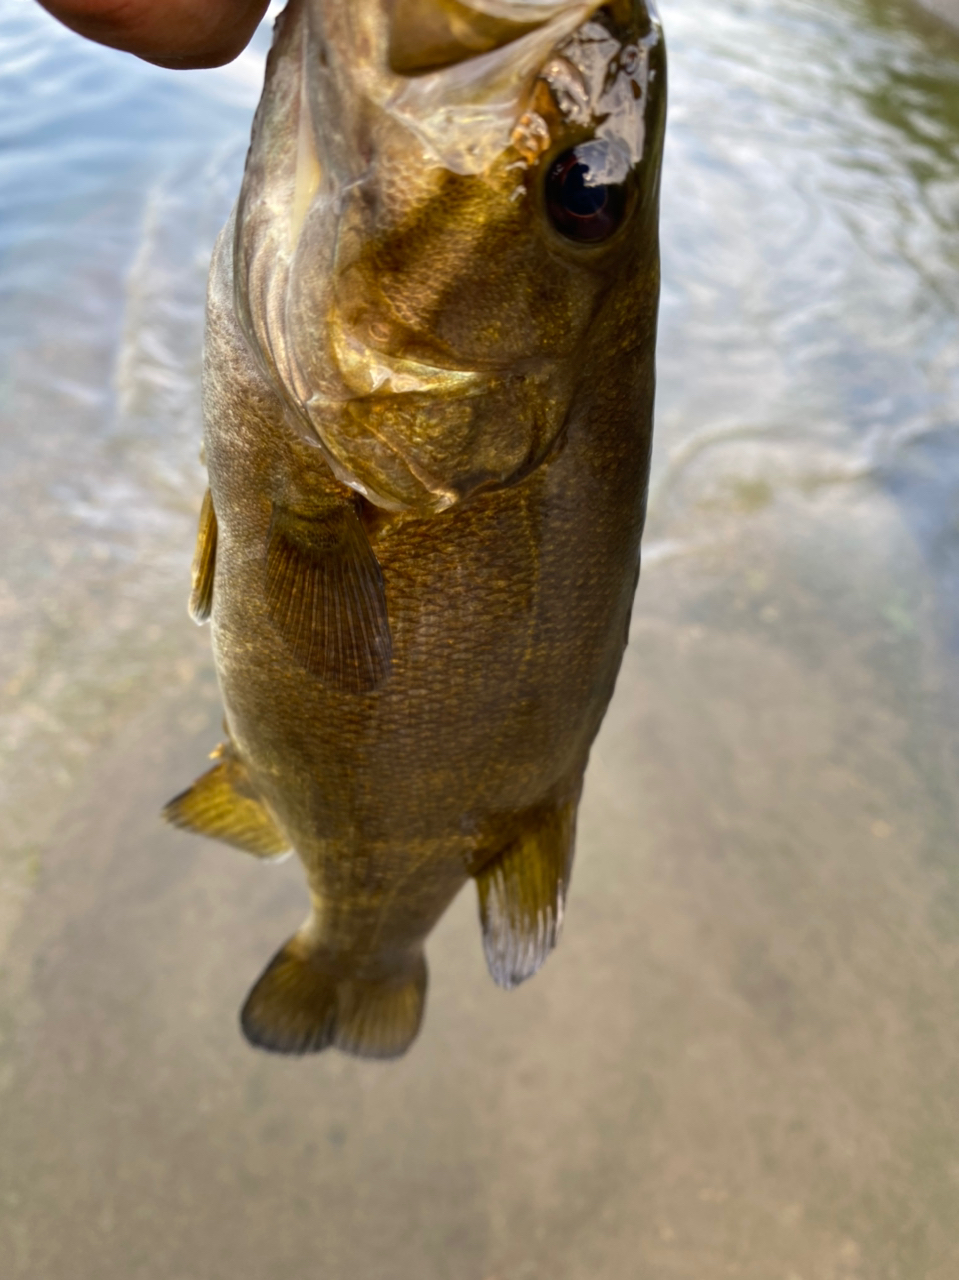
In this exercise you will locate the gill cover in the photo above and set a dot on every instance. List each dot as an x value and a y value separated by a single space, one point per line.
398 269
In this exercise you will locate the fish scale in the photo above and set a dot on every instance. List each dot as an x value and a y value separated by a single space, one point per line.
428 394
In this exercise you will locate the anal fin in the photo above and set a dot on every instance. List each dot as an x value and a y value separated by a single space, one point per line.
204 563
303 1004
326 596
222 804
522 894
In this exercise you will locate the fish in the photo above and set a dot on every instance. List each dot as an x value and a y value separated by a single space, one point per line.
428 399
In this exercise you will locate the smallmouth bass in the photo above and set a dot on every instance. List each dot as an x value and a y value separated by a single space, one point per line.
428 396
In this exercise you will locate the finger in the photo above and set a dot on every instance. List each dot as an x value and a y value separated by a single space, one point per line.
170 33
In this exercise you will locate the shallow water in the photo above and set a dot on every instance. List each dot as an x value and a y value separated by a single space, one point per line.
744 1058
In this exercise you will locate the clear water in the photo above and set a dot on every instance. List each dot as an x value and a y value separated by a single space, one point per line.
744 1058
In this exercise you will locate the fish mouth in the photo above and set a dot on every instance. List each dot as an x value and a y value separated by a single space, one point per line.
463 114
366 371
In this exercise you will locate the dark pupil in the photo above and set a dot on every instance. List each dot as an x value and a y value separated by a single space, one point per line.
581 210
578 199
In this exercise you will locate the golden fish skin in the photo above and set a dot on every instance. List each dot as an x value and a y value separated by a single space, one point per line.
428 396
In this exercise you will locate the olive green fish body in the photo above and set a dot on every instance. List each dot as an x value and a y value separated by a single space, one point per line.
419 556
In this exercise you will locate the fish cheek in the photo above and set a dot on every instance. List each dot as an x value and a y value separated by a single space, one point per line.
516 302
459 276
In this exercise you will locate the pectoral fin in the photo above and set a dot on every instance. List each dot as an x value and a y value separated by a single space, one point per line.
223 805
522 893
204 563
326 597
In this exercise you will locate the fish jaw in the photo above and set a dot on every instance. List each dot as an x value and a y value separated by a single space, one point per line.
458 117
393 273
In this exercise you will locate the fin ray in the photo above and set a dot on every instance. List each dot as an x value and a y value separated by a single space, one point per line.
326 596
300 1005
522 895
204 563
222 804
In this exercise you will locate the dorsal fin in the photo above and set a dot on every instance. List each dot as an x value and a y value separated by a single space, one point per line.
522 893
222 804
204 563
326 597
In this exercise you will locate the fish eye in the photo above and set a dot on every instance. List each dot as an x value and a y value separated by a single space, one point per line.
580 205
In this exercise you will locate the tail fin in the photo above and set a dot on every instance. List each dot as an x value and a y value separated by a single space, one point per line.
299 1005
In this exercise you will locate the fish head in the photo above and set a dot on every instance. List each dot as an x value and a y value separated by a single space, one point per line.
448 205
